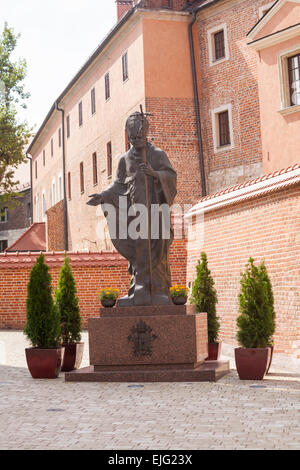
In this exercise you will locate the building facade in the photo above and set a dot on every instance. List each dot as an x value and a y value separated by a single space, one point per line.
276 41
15 216
205 115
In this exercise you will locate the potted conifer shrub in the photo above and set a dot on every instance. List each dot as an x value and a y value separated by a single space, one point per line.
44 358
255 323
204 295
67 304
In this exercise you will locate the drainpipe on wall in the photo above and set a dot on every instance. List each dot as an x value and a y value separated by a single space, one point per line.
66 235
196 102
31 194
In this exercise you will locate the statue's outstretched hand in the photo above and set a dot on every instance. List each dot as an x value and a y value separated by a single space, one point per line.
95 200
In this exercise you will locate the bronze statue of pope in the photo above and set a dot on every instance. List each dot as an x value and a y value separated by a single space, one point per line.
144 177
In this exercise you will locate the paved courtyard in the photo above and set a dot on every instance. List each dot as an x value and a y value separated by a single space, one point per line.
229 414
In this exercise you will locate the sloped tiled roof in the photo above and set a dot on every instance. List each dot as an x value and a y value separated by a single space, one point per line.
251 182
33 239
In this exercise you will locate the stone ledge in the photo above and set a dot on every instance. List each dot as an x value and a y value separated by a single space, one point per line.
210 371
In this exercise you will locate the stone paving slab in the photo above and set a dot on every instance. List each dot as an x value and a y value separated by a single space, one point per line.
229 414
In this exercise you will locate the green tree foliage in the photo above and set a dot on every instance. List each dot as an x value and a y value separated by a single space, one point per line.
204 295
42 317
14 135
67 304
256 324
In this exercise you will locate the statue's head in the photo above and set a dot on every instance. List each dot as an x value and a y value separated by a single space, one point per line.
134 129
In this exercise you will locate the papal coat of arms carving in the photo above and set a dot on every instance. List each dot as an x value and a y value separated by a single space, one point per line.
142 338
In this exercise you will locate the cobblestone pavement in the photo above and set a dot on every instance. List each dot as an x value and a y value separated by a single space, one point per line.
229 414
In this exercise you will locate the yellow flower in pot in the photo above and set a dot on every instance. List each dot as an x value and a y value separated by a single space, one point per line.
179 294
108 296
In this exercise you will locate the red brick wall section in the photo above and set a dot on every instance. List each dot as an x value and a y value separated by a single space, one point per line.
267 227
92 271
174 4
173 129
55 227
234 82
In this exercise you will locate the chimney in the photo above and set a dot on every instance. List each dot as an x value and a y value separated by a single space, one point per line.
123 6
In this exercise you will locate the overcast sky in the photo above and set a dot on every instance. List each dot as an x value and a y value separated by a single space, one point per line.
57 37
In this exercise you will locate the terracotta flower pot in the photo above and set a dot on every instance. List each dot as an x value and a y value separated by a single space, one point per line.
44 363
271 357
108 302
72 357
214 350
252 363
179 300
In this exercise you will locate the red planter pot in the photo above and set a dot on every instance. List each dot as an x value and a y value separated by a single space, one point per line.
214 350
252 363
179 300
44 363
271 357
72 356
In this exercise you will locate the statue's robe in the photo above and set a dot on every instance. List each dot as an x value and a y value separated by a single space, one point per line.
130 182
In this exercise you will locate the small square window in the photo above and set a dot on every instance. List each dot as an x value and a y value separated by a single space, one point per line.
69 185
68 126
293 64
4 215
125 66
222 128
107 86
218 45
80 118
93 101
59 137
289 73
109 159
81 178
95 170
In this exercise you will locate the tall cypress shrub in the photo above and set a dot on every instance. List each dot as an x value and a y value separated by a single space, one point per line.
256 323
204 295
42 317
67 304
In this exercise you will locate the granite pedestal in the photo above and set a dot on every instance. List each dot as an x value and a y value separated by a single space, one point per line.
149 344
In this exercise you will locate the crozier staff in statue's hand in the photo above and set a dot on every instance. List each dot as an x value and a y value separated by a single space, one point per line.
96 199
147 169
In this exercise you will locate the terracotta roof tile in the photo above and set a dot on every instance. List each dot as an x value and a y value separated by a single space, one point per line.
251 182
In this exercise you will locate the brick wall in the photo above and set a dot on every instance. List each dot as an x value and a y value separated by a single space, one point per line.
18 213
172 127
234 82
266 227
92 271
55 227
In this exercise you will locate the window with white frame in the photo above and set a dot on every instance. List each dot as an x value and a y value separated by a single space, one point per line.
44 206
37 209
289 75
53 192
222 128
60 187
218 50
